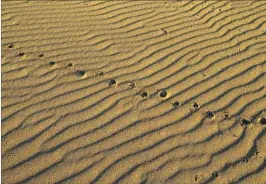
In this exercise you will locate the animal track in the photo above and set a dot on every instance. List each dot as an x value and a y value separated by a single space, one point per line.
52 63
196 178
21 54
144 94
112 82
81 73
245 159
132 84
195 106
176 104
215 174
262 121
101 73
162 93
210 115
11 46
245 122
226 115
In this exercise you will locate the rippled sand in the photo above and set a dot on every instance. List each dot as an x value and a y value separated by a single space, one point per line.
146 92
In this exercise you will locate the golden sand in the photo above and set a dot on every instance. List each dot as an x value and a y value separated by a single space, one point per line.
131 92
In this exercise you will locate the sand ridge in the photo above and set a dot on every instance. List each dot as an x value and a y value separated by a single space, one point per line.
133 92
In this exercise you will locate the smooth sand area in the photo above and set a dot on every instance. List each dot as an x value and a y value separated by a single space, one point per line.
133 92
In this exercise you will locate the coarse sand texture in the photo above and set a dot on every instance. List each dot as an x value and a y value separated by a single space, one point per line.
133 92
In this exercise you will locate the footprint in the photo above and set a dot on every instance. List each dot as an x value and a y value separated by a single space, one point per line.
101 73
262 121
195 106
257 152
21 54
196 178
144 94
210 115
70 65
164 31
219 133
162 93
112 82
215 174
132 84
176 104
226 115
245 159
245 122
11 46
52 63
81 73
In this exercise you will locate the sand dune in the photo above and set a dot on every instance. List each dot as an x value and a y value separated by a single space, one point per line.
133 92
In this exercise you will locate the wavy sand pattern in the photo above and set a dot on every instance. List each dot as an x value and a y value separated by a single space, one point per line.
133 92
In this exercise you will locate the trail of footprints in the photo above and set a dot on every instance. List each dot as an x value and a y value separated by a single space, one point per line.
162 93
194 106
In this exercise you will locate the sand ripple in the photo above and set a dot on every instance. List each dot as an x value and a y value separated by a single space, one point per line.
133 92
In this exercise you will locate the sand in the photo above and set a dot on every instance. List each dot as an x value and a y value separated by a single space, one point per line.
129 92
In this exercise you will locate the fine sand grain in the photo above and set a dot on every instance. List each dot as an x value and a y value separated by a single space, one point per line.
133 92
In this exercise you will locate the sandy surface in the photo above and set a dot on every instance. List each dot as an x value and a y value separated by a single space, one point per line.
133 92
